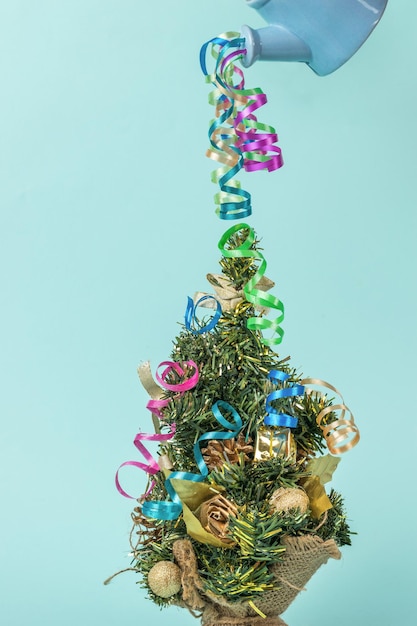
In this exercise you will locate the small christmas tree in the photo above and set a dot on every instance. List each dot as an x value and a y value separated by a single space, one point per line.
237 519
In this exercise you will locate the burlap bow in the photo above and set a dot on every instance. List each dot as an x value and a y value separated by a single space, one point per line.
228 296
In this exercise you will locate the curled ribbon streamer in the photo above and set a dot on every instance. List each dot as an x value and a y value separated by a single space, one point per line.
155 406
151 467
234 427
342 434
233 202
250 100
251 293
245 142
175 366
155 391
191 316
170 510
148 383
275 418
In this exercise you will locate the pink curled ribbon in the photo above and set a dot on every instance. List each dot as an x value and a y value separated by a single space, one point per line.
237 139
173 366
155 406
151 467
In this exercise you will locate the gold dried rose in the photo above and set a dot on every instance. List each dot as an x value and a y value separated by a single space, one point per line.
214 516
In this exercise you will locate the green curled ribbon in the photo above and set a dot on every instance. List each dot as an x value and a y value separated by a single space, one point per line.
252 294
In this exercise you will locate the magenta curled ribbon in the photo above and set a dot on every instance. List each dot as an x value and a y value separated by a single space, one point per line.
156 406
151 467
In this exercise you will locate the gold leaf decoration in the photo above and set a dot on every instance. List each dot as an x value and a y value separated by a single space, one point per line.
323 467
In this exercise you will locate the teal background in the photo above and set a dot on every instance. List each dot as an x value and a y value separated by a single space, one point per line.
107 225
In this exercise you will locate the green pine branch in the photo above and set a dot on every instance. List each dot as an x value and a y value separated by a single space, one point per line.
255 482
226 574
336 526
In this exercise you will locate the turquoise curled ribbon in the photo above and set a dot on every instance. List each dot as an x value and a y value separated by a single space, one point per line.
171 510
274 417
233 202
253 295
191 316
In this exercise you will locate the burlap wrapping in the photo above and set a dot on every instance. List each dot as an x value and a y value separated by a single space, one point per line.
302 558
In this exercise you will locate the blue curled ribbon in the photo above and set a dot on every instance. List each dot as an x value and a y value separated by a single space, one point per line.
234 202
190 315
171 510
221 41
274 417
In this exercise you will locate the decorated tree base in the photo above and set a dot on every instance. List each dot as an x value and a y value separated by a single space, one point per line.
303 557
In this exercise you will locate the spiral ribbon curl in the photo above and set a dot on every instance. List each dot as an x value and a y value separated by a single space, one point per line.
342 434
253 295
170 510
274 417
237 139
155 406
191 316
151 467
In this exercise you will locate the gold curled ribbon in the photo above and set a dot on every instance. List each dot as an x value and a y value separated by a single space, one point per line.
151 387
148 382
342 434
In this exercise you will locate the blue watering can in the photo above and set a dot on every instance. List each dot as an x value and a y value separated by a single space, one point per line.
322 33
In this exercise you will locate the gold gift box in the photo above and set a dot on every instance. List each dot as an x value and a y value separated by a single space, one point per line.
275 441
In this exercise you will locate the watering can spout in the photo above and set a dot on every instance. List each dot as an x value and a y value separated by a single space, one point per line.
322 33
273 43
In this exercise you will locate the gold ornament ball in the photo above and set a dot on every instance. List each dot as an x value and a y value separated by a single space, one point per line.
164 579
283 500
